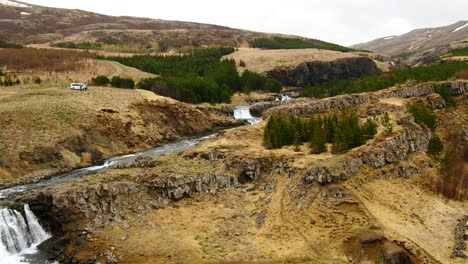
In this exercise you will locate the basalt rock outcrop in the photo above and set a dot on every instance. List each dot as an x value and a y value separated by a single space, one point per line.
176 188
411 139
100 204
461 236
315 72
308 106
104 203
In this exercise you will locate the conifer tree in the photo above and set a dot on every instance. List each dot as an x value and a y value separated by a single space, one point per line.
387 124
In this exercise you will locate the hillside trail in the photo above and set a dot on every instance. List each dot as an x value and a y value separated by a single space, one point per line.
363 199
113 68
283 218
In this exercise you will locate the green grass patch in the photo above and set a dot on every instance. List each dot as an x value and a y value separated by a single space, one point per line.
459 52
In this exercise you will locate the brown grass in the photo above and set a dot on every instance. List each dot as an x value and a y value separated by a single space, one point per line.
43 59
454 181
258 60
462 74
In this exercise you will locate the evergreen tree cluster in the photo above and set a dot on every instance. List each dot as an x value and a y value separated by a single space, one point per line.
448 98
82 45
200 76
8 80
434 72
120 82
344 131
296 43
8 45
100 80
435 145
423 115
459 52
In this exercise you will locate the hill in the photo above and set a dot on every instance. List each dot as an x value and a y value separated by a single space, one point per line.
31 24
421 45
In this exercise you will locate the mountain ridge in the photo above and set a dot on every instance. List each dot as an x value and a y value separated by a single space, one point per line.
419 44
36 24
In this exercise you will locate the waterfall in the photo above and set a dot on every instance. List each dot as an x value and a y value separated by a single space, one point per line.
19 235
243 113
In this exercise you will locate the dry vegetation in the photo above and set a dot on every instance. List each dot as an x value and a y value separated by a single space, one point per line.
43 130
43 59
258 60
454 181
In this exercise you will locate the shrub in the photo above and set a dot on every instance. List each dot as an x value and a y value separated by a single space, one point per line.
242 64
423 115
100 80
442 91
8 45
119 82
8 82
388 125
369 129
435 145
37 80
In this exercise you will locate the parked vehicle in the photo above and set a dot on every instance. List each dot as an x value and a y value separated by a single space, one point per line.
78 86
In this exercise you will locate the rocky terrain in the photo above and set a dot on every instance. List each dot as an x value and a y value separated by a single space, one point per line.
235 201
69 129
421 45
308 66
226 198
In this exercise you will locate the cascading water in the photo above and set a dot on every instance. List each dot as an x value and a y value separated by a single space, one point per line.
18 235
243 113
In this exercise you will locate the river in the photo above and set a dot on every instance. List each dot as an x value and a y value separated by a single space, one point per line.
20 234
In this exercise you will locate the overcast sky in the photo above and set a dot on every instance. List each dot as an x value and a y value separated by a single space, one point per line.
345 22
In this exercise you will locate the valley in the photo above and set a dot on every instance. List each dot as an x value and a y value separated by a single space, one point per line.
197 143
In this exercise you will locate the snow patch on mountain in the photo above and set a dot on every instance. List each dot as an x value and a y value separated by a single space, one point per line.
11 3
458 28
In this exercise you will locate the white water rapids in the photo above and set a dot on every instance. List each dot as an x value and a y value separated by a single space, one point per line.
19 236
243 113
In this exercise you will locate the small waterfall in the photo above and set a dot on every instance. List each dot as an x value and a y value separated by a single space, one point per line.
243 113
18 234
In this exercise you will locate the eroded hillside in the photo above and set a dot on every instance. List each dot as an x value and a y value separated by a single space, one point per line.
232 200
49 129
299 67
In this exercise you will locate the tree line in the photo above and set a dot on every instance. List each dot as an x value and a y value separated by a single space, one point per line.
434 72
200 76
116 81
343 131
296 43
8 45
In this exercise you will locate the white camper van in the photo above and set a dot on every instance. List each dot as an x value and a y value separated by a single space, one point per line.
78 86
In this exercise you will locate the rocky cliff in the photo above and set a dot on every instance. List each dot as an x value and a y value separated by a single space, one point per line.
307 106
315 72
392 150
